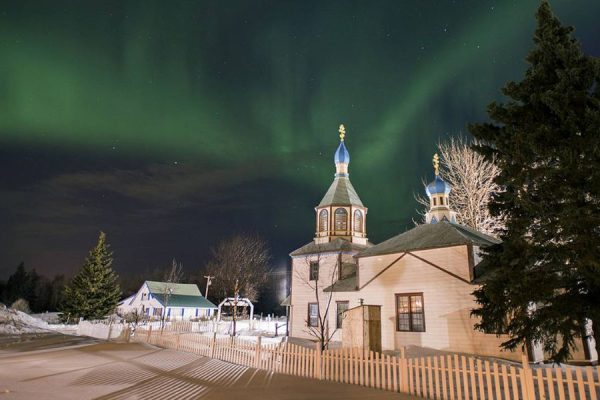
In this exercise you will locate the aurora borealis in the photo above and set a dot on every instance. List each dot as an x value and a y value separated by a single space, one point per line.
170 125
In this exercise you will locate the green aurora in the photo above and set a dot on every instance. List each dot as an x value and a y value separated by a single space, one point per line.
241 99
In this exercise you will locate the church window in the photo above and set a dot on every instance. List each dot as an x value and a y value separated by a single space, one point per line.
341 307
313 314
323 216
434 201
410 312
358 221
314 271
341 219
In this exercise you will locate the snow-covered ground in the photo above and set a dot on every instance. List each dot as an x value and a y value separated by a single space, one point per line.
13 322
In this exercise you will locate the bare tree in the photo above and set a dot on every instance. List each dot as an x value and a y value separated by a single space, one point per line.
317 282
239 265
172 276
472 180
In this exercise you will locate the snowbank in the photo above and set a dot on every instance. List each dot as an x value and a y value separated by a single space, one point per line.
13 322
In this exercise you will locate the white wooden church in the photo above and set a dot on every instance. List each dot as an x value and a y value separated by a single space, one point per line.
422 278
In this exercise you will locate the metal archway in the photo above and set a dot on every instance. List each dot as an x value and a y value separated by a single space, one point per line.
241 302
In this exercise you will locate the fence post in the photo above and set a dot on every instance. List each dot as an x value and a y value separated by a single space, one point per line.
149 333
257 355
526 379
213 344
317 361
403 371
177 340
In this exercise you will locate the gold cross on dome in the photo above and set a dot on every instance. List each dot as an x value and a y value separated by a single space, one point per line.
436 164
342 132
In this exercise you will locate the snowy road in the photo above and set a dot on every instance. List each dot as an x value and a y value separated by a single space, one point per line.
136 371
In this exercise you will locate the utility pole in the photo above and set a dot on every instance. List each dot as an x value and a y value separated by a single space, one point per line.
208 283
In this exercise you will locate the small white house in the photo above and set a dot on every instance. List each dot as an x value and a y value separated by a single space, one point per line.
180 301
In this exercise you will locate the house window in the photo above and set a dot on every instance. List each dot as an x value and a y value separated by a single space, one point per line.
341 219
143 296
323 216
358 221
157 312
341 307
314 271
410 313
313 314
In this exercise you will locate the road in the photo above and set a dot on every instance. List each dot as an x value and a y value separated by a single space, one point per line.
84 369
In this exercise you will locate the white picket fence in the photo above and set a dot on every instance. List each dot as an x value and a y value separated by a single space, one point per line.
453 377
101 329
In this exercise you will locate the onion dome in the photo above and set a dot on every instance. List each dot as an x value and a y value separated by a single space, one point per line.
341 154
438 186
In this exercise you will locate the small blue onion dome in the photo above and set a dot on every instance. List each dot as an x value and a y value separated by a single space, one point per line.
438 186
341 154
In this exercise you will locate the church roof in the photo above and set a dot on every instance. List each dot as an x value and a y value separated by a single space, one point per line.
348 284
341 193
335 245
430 236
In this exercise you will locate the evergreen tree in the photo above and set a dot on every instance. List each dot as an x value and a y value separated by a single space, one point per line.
20 285
94 292
543 281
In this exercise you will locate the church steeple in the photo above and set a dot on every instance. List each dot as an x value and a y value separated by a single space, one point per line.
341 157
341 213
438 192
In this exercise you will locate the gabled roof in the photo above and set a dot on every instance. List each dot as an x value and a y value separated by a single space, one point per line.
179 300
341 192
187 289
430 236
335 245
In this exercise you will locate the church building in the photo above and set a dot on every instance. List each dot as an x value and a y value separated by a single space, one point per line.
422 279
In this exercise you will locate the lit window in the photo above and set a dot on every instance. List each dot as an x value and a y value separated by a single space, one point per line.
341 219
358 221
314 271
323 220
313 314
410 313
341 307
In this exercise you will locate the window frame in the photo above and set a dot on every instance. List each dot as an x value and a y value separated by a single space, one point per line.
308 319
313 275
358 222
410 312
338 317
343 223
323 220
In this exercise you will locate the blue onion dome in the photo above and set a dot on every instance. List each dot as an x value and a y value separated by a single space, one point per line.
341 154
438 186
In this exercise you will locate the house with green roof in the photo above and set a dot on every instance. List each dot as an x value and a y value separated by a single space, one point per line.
177 301
421 279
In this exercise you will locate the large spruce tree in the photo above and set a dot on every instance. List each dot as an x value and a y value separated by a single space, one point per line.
543 281
94 292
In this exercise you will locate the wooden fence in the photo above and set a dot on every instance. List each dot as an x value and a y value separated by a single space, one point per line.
454 377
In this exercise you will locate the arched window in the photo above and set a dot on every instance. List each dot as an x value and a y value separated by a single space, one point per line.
341 219
323 220
358 221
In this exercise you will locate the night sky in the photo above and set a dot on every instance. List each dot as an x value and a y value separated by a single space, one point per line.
171 125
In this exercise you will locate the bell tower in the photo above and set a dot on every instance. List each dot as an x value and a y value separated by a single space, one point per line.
438 192
341 213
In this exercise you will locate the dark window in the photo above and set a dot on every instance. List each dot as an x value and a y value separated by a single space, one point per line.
341 219
435 201
157 312
323 221
358 221
341 307
314 271
313 314
410 313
